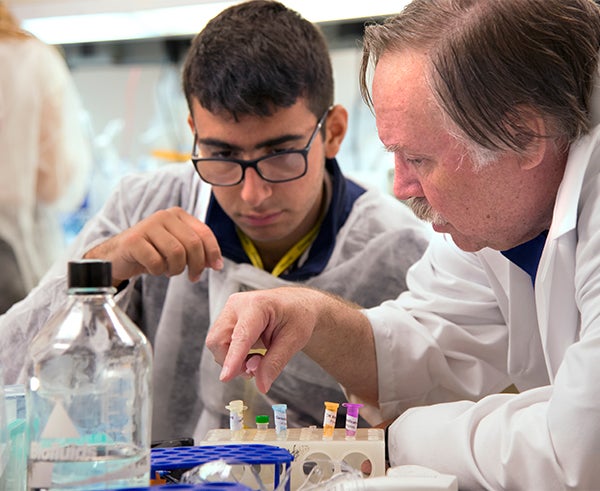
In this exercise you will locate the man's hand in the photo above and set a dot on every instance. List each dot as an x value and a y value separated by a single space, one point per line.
281 320
333 332
163 243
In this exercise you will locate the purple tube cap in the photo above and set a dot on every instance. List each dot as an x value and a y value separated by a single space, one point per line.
352 408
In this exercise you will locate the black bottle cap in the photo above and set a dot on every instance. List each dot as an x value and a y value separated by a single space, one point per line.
90 273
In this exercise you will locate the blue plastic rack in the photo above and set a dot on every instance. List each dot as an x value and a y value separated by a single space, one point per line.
183 458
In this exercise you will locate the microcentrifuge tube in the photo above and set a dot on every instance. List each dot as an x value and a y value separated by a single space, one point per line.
351 418
236 417
280 417
262 422
329 419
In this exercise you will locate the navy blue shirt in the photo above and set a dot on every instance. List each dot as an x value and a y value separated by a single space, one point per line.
527 256
344 194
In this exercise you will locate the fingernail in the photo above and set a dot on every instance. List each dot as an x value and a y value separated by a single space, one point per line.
224 373
218 264
252 363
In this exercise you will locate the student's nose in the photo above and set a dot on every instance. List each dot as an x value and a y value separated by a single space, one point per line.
406 181
254 188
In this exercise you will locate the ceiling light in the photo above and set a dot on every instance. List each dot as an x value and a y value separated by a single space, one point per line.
182 20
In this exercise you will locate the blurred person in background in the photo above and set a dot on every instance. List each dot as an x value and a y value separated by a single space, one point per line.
45 157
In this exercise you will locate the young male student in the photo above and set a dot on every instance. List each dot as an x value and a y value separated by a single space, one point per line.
491 110
263 205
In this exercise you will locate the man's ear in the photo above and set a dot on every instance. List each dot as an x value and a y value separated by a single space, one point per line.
336 127
191 123
534 124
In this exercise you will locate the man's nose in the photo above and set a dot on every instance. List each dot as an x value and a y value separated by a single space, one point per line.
254 188
406 181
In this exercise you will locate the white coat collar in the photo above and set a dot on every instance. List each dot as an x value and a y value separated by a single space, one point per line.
564 216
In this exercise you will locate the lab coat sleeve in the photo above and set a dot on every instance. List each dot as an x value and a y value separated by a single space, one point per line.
444 339
544 438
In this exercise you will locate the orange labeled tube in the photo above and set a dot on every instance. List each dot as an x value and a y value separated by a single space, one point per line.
329 419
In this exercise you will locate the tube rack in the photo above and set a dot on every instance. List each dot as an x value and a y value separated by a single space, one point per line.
310 449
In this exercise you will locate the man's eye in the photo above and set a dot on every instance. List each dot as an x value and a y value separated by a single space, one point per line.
410 160
218 154
275 151
208 151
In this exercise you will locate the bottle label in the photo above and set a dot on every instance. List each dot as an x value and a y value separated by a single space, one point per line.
57 453
74 467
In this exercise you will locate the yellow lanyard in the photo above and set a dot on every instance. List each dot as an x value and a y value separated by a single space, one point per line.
290 256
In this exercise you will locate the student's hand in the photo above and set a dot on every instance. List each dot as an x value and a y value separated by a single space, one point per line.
281 320
163 243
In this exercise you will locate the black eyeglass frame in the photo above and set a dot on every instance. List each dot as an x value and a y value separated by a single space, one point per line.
253 164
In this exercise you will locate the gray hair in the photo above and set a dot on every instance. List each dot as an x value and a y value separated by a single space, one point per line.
494 62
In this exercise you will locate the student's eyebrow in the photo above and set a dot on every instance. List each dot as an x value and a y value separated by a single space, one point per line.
273 142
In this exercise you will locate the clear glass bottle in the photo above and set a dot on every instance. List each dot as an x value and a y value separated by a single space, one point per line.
89 393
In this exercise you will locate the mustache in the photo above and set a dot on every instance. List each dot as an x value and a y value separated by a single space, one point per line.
423 210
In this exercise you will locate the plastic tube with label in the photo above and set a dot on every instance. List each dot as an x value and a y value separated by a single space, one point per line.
236 418
280 417
329 419
351 418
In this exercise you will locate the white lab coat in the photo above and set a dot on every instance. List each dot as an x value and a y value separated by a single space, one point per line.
471 324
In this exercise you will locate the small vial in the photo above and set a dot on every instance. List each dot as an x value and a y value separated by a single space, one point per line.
262 422
351 419
280 417
329 419
236 418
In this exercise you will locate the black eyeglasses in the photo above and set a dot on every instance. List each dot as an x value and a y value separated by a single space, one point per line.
283 166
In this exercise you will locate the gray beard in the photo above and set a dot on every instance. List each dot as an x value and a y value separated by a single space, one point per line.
423 210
